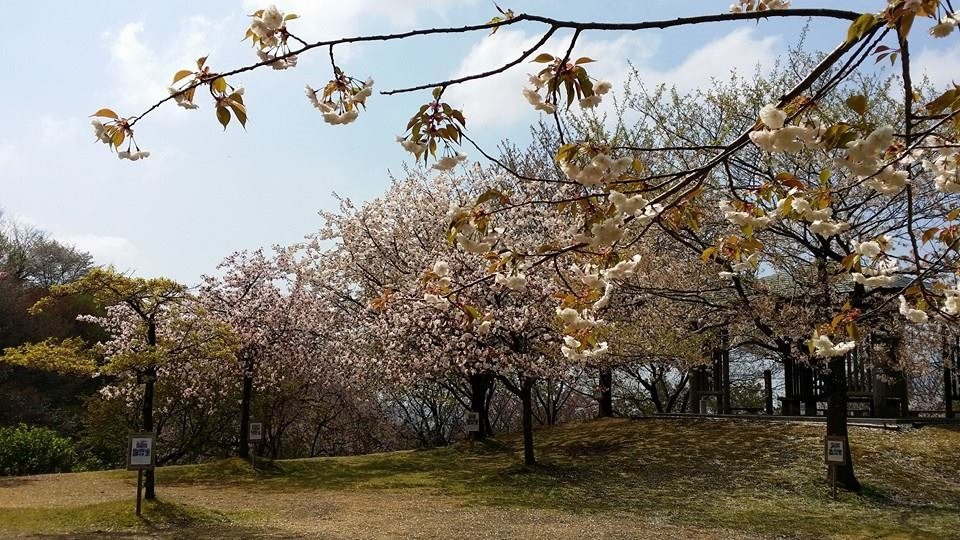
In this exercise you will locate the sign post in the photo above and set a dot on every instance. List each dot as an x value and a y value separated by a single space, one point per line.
835 453
256 434
140 456
472 421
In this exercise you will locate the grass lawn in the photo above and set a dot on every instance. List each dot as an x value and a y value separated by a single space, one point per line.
657 478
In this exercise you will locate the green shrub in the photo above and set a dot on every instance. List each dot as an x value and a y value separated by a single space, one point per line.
34 450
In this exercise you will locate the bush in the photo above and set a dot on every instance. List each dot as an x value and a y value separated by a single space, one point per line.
34 450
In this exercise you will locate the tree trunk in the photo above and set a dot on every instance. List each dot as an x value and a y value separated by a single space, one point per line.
606 393
837 419
767 391
948 366
150 378
525 397
245 399
479 402
149 375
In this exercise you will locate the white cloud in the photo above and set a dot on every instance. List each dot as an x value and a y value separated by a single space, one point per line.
497 101
935 64
55 130
114 250
7 153
141 72
106 249
739 50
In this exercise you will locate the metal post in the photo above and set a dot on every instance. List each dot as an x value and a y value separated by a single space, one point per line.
139 489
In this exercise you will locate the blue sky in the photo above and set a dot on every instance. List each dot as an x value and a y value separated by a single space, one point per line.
204 193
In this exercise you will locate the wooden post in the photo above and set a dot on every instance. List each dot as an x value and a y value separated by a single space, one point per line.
139 489
768 390
833 479
141 456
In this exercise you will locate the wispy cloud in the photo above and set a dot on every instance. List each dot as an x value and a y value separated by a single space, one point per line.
141 70
498 102
106 249
939 65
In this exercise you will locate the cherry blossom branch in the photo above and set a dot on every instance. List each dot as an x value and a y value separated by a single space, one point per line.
553 23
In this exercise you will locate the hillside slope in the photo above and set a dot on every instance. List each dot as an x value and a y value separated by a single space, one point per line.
657 478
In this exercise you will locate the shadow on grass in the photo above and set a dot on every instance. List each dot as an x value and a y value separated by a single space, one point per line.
14 481
109 517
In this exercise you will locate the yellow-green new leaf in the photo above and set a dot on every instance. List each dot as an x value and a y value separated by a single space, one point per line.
860 26
68 357
240 112
106 113
223 115
858 104
181 74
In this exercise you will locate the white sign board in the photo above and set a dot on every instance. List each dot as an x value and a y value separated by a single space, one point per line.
140 453
256 431
473 421
836 452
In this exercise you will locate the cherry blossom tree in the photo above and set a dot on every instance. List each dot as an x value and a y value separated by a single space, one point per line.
397 267
152 329
903 167
268 311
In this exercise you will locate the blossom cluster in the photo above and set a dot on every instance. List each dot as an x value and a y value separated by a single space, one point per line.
741 6
946 25
865 158
350 94
824 347
269 34
881 273
779 137
114 132
571 76
945 168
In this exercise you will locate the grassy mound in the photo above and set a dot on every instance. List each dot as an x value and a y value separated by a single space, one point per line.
675 476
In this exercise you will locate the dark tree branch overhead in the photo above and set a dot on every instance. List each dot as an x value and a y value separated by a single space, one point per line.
526 54
554 25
